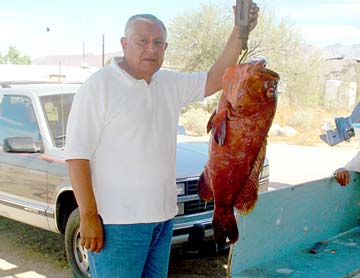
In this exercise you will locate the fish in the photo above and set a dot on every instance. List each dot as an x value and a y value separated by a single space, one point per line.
237 145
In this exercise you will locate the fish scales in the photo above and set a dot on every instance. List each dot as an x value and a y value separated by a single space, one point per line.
237 146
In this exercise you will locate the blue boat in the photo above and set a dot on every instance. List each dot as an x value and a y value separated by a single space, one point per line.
309 230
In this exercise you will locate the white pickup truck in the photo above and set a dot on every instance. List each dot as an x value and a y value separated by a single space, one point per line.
34 184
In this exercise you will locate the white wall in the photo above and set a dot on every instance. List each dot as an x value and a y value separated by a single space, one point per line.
337 90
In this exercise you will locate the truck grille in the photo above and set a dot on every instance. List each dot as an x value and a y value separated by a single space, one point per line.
195 206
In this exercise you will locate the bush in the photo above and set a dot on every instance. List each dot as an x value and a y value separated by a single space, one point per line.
307 121
195 121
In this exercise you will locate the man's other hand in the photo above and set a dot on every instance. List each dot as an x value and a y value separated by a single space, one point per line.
342 176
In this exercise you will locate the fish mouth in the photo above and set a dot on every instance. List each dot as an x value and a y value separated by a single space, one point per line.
271 83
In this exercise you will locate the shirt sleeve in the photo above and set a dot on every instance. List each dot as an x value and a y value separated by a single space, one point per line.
85 123
191 87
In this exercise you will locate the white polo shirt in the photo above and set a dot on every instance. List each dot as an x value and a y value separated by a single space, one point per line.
127 129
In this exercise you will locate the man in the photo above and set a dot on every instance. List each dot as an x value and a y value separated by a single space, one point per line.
121 147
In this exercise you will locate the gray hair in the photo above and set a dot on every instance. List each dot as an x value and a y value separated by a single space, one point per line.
145 17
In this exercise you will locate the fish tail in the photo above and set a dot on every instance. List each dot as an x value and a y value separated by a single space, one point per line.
225 226
204 190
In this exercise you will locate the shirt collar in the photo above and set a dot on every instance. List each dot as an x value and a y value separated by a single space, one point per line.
127 77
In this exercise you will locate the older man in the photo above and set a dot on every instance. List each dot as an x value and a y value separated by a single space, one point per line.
121 147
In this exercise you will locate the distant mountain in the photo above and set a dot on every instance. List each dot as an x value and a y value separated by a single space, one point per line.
345 51
342 62
91 60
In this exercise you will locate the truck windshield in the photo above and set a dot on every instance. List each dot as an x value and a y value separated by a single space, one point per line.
57 108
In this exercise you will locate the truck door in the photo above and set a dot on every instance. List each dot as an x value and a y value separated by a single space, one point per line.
23 178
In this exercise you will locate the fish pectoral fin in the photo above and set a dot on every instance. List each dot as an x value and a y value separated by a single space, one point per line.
247 197
218 124
249 193
209 124
204 190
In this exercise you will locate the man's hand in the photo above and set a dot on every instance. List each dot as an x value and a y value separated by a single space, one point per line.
91 233
230 54
342 176
253 16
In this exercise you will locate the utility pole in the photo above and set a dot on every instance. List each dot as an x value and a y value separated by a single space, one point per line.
103 50
83 55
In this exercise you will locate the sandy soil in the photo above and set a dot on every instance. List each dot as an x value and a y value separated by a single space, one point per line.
28 252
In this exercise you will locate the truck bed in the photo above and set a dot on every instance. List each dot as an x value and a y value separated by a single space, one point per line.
340 257
277 236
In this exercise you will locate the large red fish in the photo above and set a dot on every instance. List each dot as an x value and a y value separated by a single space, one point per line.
238 144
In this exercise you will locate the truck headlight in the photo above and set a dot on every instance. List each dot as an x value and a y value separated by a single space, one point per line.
264 172
180 188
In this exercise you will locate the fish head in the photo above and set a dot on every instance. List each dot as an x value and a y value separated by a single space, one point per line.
247 84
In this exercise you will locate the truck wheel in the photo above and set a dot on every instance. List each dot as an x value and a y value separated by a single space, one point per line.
75 253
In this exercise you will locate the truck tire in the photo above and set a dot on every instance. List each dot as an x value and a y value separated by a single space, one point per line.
75 253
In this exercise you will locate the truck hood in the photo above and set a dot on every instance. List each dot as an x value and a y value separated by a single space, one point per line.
191 158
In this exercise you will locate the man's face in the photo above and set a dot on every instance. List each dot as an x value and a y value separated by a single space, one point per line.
144 49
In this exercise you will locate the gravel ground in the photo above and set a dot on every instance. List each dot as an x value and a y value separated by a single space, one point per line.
29 252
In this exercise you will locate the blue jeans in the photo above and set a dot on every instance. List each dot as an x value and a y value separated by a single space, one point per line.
133 251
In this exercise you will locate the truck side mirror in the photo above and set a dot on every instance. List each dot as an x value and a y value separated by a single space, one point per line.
22 145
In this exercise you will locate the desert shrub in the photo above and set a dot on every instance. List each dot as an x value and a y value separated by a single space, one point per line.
308 121
195 121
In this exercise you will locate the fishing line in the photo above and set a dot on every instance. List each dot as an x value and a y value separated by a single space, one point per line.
243 55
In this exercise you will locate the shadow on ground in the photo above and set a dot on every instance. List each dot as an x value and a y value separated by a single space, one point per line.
26 250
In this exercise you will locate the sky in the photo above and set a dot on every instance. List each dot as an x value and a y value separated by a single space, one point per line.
53 27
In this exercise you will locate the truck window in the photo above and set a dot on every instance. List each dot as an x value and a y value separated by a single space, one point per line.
17 118
57 109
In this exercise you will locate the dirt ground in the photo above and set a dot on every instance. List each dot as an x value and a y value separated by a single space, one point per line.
29 252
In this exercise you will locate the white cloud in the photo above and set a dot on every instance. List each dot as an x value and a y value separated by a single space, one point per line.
322 22
13 15
322 13
326 34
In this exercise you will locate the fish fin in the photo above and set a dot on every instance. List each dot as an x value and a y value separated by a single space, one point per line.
225 226
204 190
249 193
209 126
218 124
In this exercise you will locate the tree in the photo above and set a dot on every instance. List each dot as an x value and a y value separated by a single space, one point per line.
14 56
357 80
196 39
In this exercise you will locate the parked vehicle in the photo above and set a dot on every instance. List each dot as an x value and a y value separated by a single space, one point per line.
34 184
181 130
